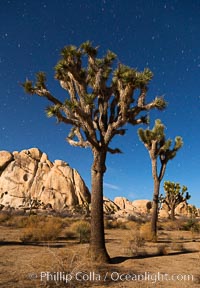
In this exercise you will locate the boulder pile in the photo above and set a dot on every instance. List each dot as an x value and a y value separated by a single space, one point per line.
29 175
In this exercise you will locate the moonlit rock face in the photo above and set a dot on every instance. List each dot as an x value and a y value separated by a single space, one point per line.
138 206
5 157
123 203
30 174
142 205
109 206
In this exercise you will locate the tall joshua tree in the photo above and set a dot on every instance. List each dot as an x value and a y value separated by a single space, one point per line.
159 148
174 195
100 101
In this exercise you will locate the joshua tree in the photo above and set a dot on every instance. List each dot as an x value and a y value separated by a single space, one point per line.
31 203
174 195
159 148
100 101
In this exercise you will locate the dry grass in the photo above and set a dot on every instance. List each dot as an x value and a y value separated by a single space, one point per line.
114 224
138 236
4 217
130 250
41 229
145 231
82 230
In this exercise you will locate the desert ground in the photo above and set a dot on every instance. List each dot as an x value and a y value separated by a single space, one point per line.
60 260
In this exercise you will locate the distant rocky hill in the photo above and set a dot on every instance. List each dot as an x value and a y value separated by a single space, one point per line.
28 179
29 175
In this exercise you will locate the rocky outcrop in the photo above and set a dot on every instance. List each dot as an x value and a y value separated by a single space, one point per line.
109 206
123 203
29 179
137 206
29 175
182 209
5 158
142 206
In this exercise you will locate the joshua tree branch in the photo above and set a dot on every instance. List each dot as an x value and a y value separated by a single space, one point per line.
114 151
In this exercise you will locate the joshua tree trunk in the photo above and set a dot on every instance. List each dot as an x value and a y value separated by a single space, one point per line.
154 218
97 242
172 215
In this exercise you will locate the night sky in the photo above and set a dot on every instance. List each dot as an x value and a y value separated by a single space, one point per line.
161 35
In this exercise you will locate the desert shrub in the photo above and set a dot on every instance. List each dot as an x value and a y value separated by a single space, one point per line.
41 229
138 241
69 234
133 226
122 225
17 221
114 224
163 250
177 247
135 240
137 219
145 231
4 217
81 228
139 235
191 225
110 224
170 225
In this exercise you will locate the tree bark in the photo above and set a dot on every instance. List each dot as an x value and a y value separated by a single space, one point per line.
154 218
98 250
172 215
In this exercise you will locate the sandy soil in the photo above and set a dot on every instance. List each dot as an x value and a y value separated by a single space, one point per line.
172 262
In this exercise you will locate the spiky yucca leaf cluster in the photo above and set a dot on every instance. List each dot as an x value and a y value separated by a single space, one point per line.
131 76
157 136
160 103
52 111
40 80
28 87
157 133
39 83
72 61
89 49
174 188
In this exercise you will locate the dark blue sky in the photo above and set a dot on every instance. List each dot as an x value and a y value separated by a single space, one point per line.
161 35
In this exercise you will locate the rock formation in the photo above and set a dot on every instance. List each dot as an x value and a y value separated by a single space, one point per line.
29 175
142 206
183 209
137 206
123 203
29 179
109 206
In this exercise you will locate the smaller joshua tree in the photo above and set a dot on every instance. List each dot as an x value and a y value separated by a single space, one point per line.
174 195
31 203
159 148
